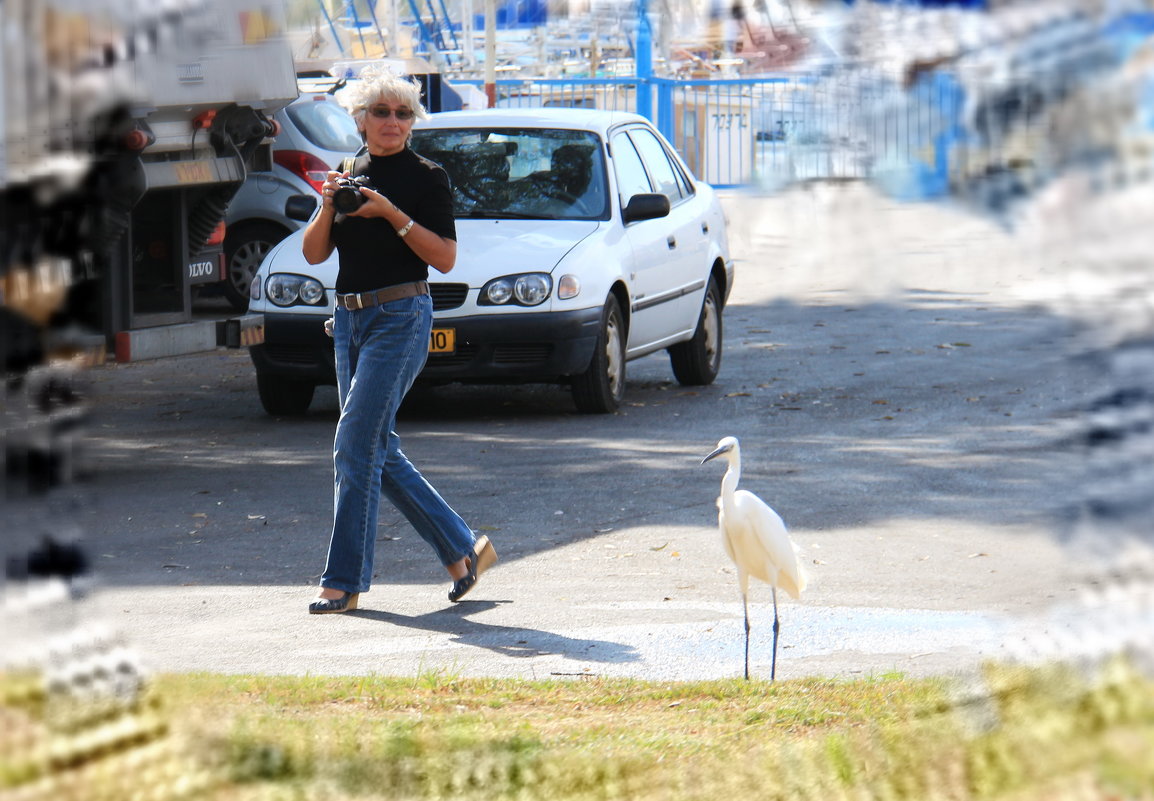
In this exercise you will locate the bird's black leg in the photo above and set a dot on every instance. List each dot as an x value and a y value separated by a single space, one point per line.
745 606
776 628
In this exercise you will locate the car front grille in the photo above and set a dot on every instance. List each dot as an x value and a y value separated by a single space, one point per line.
522 353
291 354
458 358
448 296
504 355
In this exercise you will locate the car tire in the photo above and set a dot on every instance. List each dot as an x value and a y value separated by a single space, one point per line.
282 397
600 389
697 361
245 247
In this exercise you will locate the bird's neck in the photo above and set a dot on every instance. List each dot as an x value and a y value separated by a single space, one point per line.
729 482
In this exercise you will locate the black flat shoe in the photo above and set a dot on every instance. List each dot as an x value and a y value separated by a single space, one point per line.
333 606
483 556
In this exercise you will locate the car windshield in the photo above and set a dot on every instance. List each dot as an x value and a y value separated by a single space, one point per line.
327 125
520 173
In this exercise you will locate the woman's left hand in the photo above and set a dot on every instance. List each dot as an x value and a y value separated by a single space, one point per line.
376 205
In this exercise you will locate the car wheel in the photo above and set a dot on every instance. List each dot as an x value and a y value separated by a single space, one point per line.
697 361
281 397
601 387
244 250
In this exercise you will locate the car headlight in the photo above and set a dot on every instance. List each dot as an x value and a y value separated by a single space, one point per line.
497 293
287 289
530 289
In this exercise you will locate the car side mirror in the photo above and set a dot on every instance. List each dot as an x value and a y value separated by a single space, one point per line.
300 207
647 206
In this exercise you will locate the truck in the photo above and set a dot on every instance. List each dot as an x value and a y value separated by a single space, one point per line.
127 128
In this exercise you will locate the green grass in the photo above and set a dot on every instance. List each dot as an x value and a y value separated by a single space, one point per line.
1025 734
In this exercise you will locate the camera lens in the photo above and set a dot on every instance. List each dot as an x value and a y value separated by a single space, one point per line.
348 199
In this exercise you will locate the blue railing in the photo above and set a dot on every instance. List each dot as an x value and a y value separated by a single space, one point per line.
610 94
730 132
966 132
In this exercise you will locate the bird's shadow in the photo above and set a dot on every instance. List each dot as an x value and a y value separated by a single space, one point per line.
504 640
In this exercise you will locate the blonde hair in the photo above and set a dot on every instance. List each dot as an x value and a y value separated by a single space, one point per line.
378 82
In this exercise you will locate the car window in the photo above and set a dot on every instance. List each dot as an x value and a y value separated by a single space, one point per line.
683 181
539 173
327 125
631 177
657 161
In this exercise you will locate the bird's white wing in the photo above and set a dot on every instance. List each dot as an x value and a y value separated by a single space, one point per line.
768 546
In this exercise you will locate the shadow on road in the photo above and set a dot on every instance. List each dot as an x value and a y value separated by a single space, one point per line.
925 405
504 640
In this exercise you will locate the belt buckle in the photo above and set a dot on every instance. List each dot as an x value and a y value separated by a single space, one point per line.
353 302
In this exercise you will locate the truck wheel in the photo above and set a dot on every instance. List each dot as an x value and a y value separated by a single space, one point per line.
601 387
697 361
281 397
244 249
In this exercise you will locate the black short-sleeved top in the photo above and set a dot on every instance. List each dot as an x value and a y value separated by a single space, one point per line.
370 253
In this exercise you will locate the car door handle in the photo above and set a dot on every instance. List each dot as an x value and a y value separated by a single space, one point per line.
672 242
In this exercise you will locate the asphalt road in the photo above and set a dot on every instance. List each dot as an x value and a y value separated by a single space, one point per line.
910 385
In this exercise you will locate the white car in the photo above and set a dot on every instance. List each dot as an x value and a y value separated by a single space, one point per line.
583 242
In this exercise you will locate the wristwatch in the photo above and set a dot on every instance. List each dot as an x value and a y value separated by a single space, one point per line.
403 231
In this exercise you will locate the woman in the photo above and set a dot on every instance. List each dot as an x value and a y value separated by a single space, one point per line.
381 332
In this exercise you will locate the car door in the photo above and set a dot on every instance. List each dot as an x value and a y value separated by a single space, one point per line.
651 319
684 264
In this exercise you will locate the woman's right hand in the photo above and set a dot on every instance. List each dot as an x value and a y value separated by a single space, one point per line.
317 244
330 186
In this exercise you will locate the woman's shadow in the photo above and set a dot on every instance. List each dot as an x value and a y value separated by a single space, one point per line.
504 640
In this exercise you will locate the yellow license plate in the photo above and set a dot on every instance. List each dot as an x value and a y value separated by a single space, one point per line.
443 340
193 172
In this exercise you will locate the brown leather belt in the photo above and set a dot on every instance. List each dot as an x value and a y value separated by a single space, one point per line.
363 300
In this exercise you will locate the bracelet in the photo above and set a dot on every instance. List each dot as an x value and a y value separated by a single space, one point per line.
403 231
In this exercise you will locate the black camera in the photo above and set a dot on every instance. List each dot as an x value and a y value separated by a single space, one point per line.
348 198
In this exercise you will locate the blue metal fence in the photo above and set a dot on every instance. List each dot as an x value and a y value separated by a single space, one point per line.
611 94
988 135
738 131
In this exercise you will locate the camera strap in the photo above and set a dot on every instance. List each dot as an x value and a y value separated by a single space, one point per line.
355 165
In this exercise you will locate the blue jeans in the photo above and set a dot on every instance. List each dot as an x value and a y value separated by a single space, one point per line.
379 353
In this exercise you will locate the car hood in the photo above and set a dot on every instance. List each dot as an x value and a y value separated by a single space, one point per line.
490 248
485 249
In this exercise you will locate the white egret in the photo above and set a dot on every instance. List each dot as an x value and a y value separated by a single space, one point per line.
756 540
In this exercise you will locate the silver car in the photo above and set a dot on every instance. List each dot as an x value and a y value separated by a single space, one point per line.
315 134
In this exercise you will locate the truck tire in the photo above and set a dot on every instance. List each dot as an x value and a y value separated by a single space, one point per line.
245 247
600 389
697 361
282 397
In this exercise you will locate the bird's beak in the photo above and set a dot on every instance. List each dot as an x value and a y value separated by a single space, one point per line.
718 452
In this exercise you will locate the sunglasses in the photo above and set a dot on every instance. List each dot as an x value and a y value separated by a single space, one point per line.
384 112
